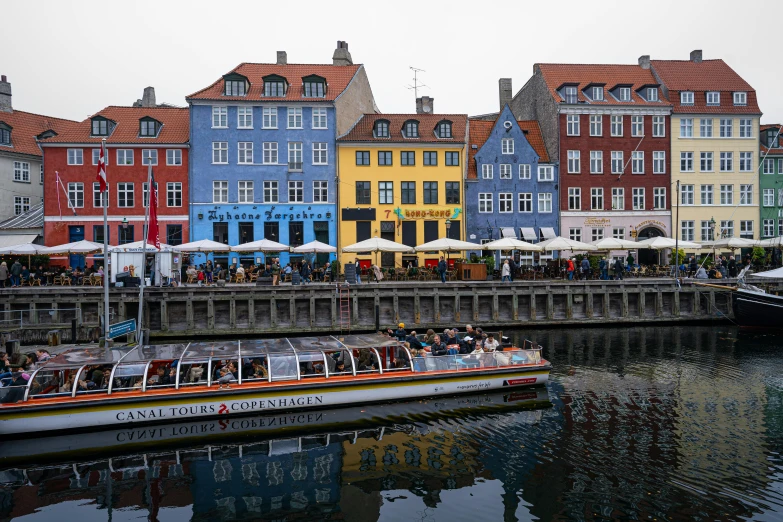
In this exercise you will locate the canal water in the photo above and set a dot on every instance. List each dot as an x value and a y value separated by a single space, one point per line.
653 423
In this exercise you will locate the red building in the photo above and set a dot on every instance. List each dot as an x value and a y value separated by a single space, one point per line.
135 137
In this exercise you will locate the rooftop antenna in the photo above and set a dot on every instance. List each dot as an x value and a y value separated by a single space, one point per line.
416 85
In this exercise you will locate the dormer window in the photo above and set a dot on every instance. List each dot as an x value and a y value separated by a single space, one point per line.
148 127
46 134
624 94
274 86
5 134
411 129
444 129
100 127
740 98
686 98
772 143
652 94
314 86
381 129
713 98
235 88
569 94
597 93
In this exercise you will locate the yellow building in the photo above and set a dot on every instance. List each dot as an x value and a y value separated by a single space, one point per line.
714 137
400 177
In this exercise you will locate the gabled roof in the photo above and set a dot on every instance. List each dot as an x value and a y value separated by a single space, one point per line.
479 133
337 79
556 75
175 127
33 218
26 126
363 129
764 148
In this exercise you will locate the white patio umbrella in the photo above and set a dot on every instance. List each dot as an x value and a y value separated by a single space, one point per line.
776 242
78 247
563 243
662 243
314 247
611 243
448 245
24 249
204 245
511 243
377 244
262 245
734 242
776 273
138 245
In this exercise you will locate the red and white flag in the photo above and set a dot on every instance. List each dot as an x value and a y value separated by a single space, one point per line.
101 177
153 233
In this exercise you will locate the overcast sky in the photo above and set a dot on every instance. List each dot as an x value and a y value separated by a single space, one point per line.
71 59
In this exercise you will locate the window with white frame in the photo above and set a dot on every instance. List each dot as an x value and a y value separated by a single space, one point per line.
245 190
98 196
713 98
125 195
780 166
706 163
269 118
652 94
740 98
687 230
617 162
616 125
21 204
618 232
596 234
746 195
544 202
596 162
574 161
659 126
768 166
22 171
319 118
96 156
659 162
637 162
727 194
570 94
320 156
505 171
270 152
780 199
727 162
746 229
386 192
546 173
173 157
768 227
270 192
320 191
220 152
525 200
245 152
707 195
42 174
637 126
505 202
486 171
659 198
149 156
597 198
219 117
524 171
124 156
597 93
572 125
75 195
686 127
727 228
295 155
686 98
296 192
624 94
706 231
220 191
745 128
705 127
780 227
485 202
638 198
174 194
596 125
244 117
294 117
769 198
75 157
507 145
686 195
618 198
746 162
574 198
726 127
145 197
575 234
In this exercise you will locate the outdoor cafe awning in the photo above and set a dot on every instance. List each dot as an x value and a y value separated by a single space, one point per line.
508 232
529 234
548 232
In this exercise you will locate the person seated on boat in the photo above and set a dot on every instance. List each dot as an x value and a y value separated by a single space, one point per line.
429 337
438 347
195 373
107 379
31 362
224 381
68 386
18 385
389 332
490 345
701 273
400 333
43 355
339 367
318 369
158 378
413 341
138 384
478 349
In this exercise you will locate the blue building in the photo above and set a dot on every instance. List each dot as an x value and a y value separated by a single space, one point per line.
263 161
511 185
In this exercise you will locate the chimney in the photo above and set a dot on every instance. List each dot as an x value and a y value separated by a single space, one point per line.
5 95
148 99
425 105
644 61
504 90
696 56
282 58
341 55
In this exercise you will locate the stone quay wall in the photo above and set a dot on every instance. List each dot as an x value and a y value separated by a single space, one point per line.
179 313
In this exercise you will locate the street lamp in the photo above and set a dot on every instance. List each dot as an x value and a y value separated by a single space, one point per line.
712 228
125 223
448 227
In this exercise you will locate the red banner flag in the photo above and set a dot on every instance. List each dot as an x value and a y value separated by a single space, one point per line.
101 177
153 233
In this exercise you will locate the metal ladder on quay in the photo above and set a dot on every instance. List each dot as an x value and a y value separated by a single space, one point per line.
344 297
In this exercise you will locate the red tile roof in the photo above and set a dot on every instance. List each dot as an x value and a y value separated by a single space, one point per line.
480 130
557 74
26 126
707 75
363 129
175 129
337 79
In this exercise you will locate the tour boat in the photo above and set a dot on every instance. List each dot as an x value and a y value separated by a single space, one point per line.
752 306
180 382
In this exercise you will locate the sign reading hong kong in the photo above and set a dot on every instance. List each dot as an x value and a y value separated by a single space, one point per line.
174 412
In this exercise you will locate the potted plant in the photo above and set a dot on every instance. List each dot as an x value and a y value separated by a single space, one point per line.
490 262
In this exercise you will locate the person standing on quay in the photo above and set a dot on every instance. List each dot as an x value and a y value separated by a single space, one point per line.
570 269
585 268
442 268
618 269
604 267
506 272
16 271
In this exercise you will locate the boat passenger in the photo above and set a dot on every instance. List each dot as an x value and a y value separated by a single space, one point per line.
43 355
490 345
158 379
339 367
107 379
401 334
225 378
429 337
438 347
413 341
31 362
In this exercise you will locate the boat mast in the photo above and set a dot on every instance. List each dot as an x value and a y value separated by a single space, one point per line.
139 331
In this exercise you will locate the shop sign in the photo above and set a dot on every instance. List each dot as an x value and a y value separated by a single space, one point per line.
597 222
651 222
268 215
425 213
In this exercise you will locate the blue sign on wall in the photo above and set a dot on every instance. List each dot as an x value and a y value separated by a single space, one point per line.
123 328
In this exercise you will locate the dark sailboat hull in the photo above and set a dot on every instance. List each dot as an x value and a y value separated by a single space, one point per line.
757 309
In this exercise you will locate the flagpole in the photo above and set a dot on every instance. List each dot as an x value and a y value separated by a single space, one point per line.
106 277
150 188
